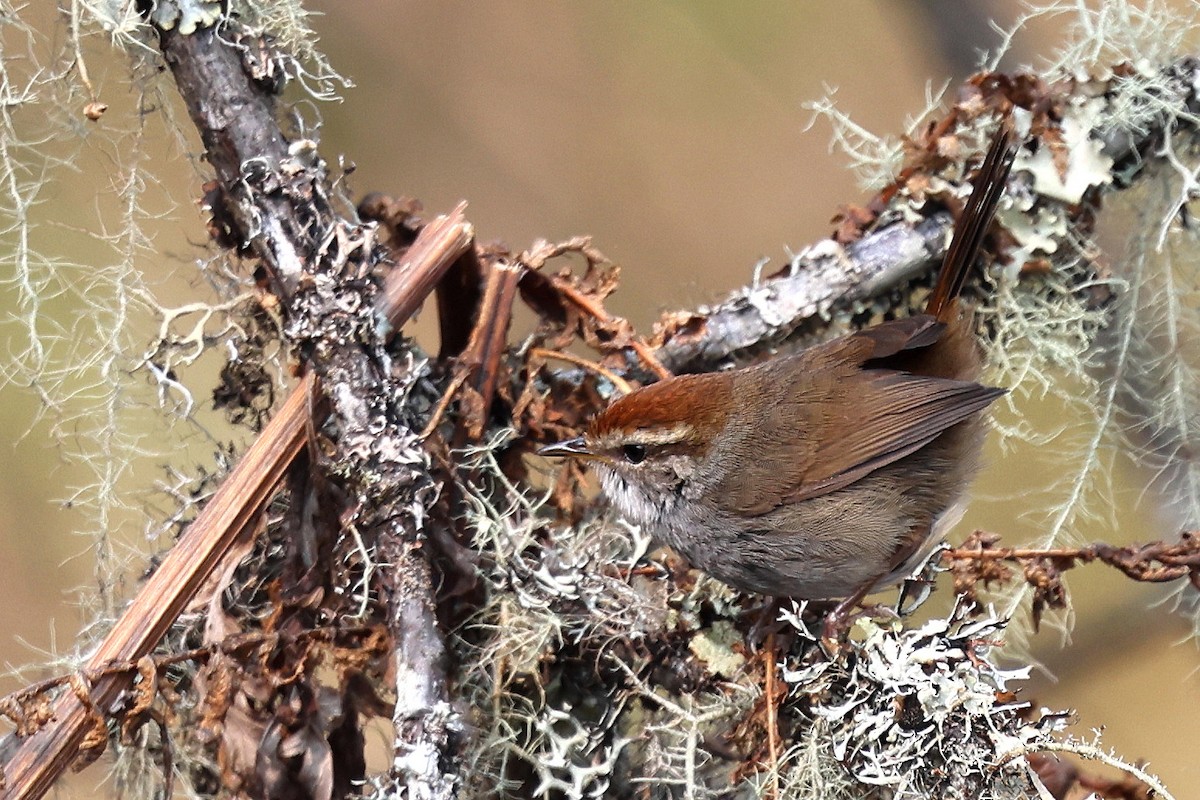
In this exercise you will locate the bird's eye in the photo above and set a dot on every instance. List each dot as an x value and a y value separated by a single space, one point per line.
634 453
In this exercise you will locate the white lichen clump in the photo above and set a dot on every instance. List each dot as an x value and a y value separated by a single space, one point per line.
924 712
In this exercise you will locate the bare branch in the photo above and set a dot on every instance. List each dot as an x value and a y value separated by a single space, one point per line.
41 758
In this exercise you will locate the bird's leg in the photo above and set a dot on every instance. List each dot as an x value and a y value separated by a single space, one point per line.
839 620
766 622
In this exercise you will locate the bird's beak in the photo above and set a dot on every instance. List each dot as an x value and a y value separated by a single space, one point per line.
570 447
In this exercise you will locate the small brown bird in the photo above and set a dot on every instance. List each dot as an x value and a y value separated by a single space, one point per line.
823 474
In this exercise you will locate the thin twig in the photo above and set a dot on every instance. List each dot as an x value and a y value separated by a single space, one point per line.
979 561
597 312
1094 754
622 385
443 403
772 712
1156 562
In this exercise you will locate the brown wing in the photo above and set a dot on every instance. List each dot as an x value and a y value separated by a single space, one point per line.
898 414
858 403
839 421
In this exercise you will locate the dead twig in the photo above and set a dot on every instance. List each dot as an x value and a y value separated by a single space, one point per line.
24 707
440 244
616 380
443 403
979 561
486 346
771 710
459 297
478 367
643 350
614 332
42 757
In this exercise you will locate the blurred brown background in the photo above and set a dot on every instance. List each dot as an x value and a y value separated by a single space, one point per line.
674 134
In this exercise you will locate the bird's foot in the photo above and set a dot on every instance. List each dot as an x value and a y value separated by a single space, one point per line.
841 619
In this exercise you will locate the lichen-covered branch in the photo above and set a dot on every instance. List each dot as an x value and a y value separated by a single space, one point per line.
1090 135
821 277
236 120
282 200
